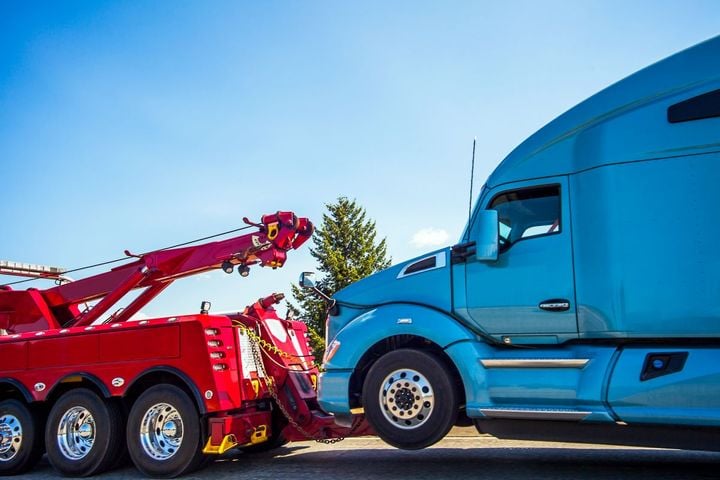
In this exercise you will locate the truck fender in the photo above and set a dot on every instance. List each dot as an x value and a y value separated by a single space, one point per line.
85 377
19 387
183 377
386 321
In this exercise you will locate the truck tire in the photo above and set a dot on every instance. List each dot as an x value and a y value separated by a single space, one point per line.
164 433
410 398
83 436
20 438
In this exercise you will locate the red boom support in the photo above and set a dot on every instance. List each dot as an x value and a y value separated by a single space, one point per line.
22 311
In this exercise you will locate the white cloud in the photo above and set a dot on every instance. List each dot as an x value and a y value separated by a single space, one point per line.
429 237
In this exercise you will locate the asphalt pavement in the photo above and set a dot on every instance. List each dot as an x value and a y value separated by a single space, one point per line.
463 454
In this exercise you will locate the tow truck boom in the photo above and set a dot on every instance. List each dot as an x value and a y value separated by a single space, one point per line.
57 307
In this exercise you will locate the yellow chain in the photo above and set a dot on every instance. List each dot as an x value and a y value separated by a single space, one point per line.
264 344
274 394
270 348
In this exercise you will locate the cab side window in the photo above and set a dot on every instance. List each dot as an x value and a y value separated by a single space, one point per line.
527 213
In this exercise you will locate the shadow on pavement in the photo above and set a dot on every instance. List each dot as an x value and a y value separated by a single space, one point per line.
345 462
490 463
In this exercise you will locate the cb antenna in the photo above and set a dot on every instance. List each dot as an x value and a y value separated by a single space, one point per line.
472 177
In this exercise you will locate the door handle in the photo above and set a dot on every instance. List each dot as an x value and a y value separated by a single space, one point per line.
555 305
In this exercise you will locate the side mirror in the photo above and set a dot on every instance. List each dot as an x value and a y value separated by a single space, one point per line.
204 307
307 280
486 243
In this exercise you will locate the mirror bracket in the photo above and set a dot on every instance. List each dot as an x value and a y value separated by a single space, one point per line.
307 282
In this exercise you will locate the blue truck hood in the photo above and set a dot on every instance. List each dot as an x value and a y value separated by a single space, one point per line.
422 280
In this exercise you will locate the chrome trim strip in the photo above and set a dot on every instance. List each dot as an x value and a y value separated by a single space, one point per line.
510 413
534 362
551 306
440 262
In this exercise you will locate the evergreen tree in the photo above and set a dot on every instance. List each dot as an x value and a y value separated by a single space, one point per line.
346 250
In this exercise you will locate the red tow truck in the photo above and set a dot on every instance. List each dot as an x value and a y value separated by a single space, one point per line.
91 387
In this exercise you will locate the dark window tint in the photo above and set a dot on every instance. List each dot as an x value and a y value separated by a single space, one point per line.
527 213
706 105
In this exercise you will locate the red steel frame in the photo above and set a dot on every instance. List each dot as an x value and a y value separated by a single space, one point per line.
51 344
59 306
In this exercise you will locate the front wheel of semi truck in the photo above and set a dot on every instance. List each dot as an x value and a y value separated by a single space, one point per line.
410 398
164 433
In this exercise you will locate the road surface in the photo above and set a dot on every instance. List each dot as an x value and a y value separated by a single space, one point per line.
460 456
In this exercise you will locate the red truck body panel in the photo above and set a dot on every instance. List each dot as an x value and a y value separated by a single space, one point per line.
124 352
242 370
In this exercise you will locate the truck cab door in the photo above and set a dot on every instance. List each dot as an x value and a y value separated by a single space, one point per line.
527 295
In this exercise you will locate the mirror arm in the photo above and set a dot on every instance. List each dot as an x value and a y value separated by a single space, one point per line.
462 251
330 302
324 297
307 283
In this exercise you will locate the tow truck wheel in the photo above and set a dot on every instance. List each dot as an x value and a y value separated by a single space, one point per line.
84 433
20 438
410 399
164 433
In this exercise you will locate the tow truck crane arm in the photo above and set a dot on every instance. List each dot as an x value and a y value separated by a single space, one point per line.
59 306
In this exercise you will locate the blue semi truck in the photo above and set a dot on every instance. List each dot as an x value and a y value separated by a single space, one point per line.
582 302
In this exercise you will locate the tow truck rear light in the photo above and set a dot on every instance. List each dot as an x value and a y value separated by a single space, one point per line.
214 343
219 367
217 355
211 331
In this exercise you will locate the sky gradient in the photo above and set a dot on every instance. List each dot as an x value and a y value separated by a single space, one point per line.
136 125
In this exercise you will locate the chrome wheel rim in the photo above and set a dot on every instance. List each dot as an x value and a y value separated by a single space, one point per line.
161 431
76 433
11 436
406 398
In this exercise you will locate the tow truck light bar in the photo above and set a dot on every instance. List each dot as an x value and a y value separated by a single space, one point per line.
30 270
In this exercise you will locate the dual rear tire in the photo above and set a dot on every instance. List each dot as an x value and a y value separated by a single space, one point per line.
86 435
21 440
164 433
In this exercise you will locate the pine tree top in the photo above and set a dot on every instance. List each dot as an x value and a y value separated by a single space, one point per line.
347 250
345 245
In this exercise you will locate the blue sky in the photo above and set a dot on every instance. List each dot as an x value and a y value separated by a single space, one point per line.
142 124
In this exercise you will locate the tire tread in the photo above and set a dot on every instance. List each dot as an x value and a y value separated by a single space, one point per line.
446 407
